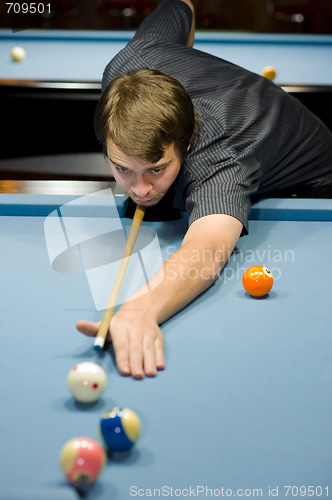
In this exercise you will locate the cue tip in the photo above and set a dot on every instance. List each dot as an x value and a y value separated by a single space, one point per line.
99 344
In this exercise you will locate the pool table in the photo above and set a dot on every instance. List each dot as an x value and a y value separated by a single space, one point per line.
63 69
244 405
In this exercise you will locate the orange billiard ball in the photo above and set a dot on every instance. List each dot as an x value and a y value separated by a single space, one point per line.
257 281
269 72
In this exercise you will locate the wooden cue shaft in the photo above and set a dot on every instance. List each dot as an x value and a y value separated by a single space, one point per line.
134 230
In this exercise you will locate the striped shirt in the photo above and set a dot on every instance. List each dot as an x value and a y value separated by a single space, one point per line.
253 137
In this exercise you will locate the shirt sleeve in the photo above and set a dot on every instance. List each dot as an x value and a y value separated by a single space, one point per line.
217 180
209 200
169 22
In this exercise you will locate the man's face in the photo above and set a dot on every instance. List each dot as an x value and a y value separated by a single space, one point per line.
145 183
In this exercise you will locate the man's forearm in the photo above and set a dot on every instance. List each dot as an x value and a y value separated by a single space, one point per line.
191 38
184 276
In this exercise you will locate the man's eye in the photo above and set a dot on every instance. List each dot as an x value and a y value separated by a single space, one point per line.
122 170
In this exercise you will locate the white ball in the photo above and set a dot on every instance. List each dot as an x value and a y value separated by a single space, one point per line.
17 54
87 382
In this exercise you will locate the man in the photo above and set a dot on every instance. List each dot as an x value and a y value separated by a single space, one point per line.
180 124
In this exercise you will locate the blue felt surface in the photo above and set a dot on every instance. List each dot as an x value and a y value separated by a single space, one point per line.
315 209
245 400
37 493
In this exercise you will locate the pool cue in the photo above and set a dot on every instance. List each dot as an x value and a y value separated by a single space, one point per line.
134 230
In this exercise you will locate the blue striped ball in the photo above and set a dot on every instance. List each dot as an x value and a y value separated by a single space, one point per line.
120 429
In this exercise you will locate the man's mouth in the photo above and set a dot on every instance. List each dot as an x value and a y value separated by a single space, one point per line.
143 201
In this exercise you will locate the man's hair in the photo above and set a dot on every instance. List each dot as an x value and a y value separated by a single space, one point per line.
143 112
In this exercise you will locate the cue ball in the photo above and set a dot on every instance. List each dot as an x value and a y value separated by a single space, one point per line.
257 281
120 429
17 54
269 72
82 459
86 382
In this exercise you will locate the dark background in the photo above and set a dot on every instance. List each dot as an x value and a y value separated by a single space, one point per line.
265 16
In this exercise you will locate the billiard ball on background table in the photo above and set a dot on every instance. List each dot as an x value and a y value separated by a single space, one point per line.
257 281
269 72
120 429
17 54
87 382
82 459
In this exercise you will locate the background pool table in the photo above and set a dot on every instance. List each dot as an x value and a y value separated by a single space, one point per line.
63 69
245 401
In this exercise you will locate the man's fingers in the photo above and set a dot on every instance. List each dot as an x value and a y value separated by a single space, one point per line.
121 350
149 353
160 356
136 355
88 328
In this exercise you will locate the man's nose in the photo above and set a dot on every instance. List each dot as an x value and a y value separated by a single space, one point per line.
141 187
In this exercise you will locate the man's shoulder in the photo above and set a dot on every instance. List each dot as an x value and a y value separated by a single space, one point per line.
127 59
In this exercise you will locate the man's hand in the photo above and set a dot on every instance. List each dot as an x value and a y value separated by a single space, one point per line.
137 341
